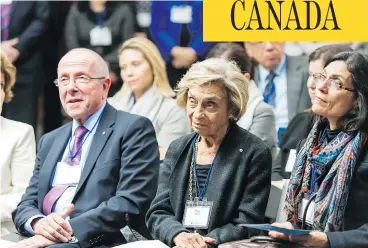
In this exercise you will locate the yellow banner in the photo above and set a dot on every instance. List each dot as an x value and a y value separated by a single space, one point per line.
285 20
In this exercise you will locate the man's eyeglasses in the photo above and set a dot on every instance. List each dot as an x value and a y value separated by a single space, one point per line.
81 80
263 43
332 84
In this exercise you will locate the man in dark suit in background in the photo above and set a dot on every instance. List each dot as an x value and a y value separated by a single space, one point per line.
23 24
93 171
282 79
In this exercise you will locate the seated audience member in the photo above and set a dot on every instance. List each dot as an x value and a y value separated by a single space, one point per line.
220 166
259 118
101 26
147 92
281 79
331 167
18 152
92 171
300 126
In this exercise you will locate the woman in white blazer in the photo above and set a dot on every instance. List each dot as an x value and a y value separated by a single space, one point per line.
18 152
146 91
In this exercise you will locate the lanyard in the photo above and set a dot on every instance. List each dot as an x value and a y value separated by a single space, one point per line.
100 18
71 155
194 169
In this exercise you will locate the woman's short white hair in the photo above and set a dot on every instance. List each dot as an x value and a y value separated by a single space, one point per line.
221 71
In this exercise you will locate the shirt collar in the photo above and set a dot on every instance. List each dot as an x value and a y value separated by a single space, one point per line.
90 122
263 72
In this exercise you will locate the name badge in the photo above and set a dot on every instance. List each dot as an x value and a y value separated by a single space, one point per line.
66 174
181 14
197 214
291 161
100 36
144 19
310 211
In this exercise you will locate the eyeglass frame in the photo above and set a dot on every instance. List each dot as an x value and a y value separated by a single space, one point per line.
329 82
262 43
56 81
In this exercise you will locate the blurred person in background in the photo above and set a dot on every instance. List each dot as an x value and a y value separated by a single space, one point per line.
53 48
176 28
146 91
18 152
101 26
281 79
23 24
302 123
259 119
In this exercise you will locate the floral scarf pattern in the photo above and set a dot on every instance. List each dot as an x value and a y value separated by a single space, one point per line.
335 161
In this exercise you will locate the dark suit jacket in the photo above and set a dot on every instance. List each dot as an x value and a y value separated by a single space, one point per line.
297 130
120 176
239 186
297 92
28 21
355 232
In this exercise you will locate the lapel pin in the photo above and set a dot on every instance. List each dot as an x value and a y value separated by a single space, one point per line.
103 133
240 150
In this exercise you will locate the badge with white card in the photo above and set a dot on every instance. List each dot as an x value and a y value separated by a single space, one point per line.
310 211
291 161
181 14
197 214
66 174
100 36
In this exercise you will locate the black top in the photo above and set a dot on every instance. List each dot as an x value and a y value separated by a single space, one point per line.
297 130
239 187
202 172
331 134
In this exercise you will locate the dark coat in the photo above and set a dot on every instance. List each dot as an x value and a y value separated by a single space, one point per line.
119 177
239 187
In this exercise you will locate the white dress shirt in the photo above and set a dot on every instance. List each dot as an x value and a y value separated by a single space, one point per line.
66 198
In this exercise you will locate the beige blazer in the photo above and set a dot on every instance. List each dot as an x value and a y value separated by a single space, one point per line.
17 160
168 119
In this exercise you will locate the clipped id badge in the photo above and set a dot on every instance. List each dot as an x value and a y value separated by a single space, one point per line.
197 213
310 211
100 36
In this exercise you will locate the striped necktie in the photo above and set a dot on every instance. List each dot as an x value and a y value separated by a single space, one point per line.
269 93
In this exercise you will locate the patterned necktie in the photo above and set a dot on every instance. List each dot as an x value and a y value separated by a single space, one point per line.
77 146
269 93
5 17
54 194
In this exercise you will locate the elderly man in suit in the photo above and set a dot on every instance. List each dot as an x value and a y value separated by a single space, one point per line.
93 171
282 79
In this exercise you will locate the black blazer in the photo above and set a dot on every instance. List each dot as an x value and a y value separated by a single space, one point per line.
355 232
297 130
28 21
120 176
239 186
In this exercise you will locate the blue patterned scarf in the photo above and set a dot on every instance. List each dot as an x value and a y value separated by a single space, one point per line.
335 161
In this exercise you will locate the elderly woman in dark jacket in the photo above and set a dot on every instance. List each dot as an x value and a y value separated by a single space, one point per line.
220 166
331 168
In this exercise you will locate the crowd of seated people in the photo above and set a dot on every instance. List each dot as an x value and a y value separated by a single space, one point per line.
176 139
